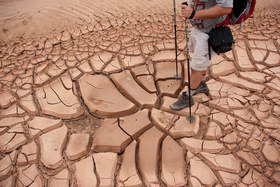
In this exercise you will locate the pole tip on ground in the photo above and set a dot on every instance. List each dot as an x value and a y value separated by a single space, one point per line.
177 76
192 119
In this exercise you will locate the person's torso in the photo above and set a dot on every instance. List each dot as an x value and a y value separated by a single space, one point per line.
207 24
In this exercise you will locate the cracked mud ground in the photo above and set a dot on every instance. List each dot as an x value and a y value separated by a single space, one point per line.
88 107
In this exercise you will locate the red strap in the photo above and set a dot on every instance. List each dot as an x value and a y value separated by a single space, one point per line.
242 18
253 5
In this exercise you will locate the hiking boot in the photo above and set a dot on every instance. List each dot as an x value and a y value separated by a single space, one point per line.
202 88
182 102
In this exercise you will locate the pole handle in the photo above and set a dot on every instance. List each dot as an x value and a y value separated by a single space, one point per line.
185 3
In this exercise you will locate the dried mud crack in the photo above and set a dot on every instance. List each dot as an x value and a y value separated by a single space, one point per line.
90 107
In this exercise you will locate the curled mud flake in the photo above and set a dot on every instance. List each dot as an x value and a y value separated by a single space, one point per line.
276 177
110 137
222 68
75 73
271 152
198 145
100 60
165 70
166 55
29 176
259 55
242 83
79 57
234 103
256 77
276 110
136 124
126 82
28 104
272 59
249 158
56 100
229 174
85 67
39 125
10 121
271 123
61 179
233 166
8 181
253 177
243 61
41 78
169 87
220 104
274 84
51 147
175 126
12 139
28 153
5 165
200 173
102 97
54 70
7 99
130 61
128 174
173 165
214 131
274 71
77 146
86 172
105 164
148 155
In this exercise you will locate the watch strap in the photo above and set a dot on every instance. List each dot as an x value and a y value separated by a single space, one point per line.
192 15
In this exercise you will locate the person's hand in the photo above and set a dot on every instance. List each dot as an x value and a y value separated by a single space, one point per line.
186 11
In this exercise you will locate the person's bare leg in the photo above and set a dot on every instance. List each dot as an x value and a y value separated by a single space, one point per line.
196 78
187 101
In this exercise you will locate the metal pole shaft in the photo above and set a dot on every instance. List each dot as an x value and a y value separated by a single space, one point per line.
188 60
175 30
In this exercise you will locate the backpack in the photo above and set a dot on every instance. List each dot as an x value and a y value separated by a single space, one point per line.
242 10
220 37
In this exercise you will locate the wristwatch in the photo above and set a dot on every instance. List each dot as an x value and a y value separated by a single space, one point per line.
192 15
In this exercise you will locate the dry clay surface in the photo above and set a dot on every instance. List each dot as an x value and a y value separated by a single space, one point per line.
88 106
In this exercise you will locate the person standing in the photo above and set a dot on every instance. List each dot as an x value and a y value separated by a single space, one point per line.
203 15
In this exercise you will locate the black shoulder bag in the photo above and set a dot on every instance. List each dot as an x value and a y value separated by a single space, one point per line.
220 39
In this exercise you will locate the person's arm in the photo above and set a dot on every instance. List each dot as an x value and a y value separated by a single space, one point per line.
209 13
213 12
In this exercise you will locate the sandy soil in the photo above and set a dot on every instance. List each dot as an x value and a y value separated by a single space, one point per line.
41 17
85 89
267 4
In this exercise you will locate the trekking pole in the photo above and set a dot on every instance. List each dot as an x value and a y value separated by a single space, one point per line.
190 117
176 44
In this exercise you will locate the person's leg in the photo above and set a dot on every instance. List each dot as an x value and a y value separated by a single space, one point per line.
198 85
199 65
196 78
200 62
198 45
